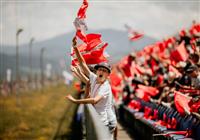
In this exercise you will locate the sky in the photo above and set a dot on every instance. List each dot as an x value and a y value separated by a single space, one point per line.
45 19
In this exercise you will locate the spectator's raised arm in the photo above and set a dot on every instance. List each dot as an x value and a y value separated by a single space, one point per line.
80 58
78 73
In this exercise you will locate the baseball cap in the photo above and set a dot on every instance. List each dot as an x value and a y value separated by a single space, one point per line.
103 65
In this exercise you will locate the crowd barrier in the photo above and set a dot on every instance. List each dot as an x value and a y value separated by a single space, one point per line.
95 130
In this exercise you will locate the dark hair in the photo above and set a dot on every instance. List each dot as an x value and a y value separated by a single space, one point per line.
194 57
191 68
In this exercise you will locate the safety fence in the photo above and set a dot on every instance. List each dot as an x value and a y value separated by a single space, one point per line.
95 130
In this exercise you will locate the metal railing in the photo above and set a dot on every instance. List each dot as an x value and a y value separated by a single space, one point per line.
95 130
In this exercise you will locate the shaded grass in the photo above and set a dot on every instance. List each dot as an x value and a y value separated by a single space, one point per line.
36 115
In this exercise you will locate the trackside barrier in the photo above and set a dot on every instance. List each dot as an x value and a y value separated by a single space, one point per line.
95 130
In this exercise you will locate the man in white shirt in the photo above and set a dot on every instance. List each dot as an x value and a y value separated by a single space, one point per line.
100 90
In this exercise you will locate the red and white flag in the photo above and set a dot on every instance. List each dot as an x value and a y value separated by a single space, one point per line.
91 41
82 11
92 48
179 54
181 102
79 22
133 35
81 35
94 56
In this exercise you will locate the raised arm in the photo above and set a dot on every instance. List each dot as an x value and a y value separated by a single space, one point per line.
82 75
80 58
74 71
79 74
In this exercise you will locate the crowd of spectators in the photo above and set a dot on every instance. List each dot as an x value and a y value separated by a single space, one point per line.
166 73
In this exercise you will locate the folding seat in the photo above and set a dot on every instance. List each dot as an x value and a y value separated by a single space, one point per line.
161 111
187 123
196 132
182 122
179 120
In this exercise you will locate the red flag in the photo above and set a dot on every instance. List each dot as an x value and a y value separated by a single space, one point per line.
155 114
154 65
79 22
93 48
89 59
92 40
133 104
174 123
94 57
81 48
81 35
142 95
84 48
115 91
96 60
161 46
181 102
115 79
152 91
125 65
81 13
99 51
133 35
195 29
149 49
179 54
194 106
182 32
93 44
147 112
92 36
139 69
170 40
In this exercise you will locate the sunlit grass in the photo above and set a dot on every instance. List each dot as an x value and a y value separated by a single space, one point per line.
36 115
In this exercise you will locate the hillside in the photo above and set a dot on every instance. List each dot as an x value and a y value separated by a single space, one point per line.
58 48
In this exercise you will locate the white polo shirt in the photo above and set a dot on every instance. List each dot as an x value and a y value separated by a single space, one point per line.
104 106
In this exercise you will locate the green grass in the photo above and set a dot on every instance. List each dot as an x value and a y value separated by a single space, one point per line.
36 115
